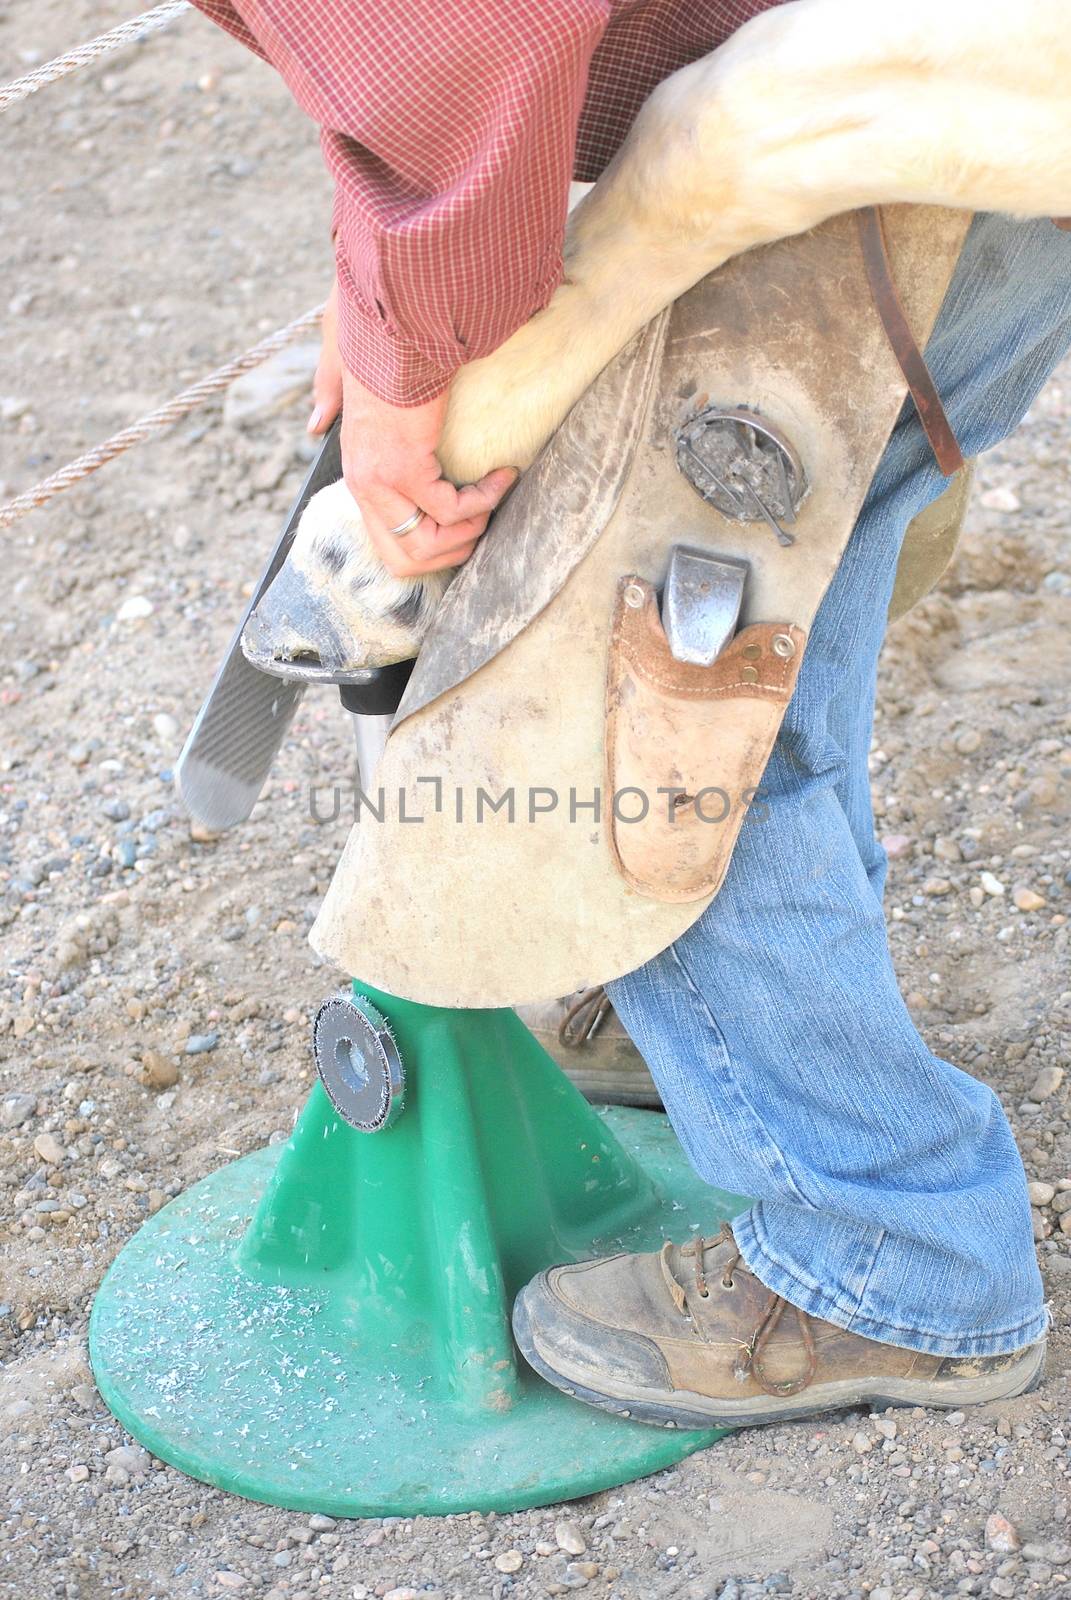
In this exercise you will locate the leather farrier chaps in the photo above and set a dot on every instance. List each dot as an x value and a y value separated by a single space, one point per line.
579 740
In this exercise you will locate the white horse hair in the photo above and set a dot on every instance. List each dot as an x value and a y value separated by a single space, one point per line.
811 109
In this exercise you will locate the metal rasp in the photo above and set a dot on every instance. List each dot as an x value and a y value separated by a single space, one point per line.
241 725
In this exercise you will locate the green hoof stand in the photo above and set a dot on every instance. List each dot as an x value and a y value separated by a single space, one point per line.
324 1325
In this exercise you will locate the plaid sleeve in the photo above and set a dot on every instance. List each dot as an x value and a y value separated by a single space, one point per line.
449 127
450 136
451 130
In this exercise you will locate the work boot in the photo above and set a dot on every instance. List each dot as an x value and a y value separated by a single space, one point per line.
588 1040
687 1337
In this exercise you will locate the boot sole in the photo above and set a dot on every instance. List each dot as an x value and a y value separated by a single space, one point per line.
681 1408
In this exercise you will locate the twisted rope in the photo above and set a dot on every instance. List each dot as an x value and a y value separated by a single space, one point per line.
123 33
155 421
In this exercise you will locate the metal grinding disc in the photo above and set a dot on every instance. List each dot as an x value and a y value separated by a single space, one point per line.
358 1062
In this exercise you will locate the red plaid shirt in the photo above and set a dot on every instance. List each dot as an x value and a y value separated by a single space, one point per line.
451 129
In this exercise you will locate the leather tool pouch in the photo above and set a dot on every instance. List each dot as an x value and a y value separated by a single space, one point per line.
686 746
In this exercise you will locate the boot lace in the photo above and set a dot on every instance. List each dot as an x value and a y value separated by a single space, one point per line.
749 1358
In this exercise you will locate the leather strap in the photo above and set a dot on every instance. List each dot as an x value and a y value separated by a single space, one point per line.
939 432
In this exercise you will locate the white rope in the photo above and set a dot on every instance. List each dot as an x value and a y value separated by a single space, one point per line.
124 33
155 421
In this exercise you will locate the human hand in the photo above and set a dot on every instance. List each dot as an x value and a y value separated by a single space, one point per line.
327 381
391 467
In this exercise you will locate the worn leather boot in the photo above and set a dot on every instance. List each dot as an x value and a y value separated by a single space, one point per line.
687 1337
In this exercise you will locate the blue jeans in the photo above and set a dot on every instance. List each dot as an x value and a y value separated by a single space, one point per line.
889 1197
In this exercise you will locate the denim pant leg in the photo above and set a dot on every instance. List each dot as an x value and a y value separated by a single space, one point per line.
889 1194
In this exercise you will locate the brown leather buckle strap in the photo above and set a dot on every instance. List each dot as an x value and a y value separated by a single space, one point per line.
890 308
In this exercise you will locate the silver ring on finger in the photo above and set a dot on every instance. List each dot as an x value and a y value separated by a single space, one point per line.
404 529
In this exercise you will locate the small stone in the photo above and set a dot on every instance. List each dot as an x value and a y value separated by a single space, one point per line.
862 1444
49 1149
116 1475
1025 899
1044 791
886 1427
1065 1224
968 741
990 884
135 609
320 1523
947 849
116 810
78 1473
1041 1194
509 1561
897 845
198 1044
276 383
1046 1083
230 1580
935 887
15 1109
568 1537
582 1569
1040 1227
1001 1535
270 472
165 727
85 1396
1000 499
159 1071
130 1458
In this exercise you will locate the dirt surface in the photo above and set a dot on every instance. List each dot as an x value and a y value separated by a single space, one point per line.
159 213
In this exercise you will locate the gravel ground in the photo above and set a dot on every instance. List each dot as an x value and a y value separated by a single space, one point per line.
155 992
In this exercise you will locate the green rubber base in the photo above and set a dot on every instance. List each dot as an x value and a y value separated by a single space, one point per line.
324 1325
